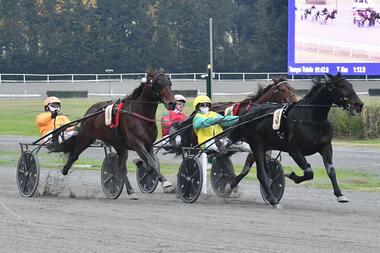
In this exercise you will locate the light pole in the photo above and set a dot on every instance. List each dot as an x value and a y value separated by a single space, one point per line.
211 48
109 71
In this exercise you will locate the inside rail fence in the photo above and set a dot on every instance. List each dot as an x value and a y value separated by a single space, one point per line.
124 77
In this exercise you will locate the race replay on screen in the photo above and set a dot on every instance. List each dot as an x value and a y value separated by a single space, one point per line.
333 36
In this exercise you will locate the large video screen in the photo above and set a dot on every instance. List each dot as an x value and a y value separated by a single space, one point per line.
334 35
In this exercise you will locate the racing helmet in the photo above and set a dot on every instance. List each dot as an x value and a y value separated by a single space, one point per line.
201 99
179 97
51 100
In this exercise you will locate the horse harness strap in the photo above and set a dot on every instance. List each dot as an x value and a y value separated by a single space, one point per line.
138 115
117 115
236 108
112 116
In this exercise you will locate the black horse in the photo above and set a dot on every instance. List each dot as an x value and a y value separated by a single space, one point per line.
278 92
137 129
305 130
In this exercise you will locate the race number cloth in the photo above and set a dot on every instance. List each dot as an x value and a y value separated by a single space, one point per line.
277 118
229 110
108 115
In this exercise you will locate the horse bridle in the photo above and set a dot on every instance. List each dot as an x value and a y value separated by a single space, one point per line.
331 86
287 100
156 87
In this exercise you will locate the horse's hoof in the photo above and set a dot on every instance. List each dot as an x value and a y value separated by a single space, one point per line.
166 184
64 172
227 190
169 189
133 196
277 206
342 199
235 189
290 175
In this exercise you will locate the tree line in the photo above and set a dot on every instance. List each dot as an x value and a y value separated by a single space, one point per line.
88 36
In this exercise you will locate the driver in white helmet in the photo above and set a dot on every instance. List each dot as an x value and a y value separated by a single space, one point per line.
52 118
171 117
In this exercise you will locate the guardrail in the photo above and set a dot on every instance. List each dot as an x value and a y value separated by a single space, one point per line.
124 77
339 47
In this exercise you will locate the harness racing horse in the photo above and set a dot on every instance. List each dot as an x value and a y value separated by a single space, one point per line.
305 130
137 128
330 15
308 12
278 92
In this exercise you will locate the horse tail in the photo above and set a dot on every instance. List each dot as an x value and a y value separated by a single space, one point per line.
65 147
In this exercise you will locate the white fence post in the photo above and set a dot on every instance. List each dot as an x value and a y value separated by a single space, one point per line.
0 78
204 171
47 78
121 78
195 78
24 78
243 77
72 78
96 78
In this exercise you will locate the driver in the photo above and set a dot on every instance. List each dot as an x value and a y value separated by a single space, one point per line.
171 117
207 124
53 118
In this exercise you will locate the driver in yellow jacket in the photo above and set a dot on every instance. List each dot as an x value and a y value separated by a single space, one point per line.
52 118
207 124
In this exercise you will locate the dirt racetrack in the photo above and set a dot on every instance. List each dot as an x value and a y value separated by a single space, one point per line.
79 218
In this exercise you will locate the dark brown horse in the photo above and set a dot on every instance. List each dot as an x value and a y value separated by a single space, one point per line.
330 15
137 128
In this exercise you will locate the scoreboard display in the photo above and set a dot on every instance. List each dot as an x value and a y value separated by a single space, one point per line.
334 36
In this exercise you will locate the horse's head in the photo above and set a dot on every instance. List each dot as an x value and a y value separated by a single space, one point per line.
343 94
161 87
281 92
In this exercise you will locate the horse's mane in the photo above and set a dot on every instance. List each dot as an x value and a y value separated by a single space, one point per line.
262 90
150 73
136 92
313 90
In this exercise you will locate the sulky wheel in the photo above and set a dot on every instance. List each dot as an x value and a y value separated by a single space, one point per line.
28 174
112 181
147 179
276 180
222 173
189 179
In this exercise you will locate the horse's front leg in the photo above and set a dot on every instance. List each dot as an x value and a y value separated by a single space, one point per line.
300 159
123 156
327 154
152 163
262 175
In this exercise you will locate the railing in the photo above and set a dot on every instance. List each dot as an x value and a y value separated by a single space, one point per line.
124 77
339 47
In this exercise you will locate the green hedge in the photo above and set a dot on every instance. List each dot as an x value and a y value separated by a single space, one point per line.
68 93
363 126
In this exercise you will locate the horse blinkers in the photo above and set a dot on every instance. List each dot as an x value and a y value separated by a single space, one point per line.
156 85
345 95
